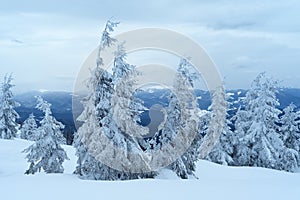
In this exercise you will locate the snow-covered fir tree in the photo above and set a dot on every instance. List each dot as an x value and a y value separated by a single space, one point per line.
28 128
216 124
290 136
125 106
172 122
257 126
106 40
46 153
223 150
87 166
8 115
81 153
120 123
289 128
183 77
100 88
242 152
168 133
176 113
186 164
102 85
97 104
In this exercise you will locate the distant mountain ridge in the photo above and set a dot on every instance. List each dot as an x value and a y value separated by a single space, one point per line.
62 104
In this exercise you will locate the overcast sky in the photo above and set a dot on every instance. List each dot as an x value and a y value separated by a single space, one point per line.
44 43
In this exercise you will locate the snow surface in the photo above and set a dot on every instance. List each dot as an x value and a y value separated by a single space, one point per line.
214 182
230 94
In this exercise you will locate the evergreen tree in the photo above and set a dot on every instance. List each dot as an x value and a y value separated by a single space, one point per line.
46 153
186 164
90 168
101 88
257 129
289 128
290 136
242 151
28 128
8 115
120 123
172 122
81 153
168 133
177 113
106 40
125 106
98 104
223 150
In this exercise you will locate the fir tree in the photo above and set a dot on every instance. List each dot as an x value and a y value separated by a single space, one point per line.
100 88
242 151
97 104
176 113
125 106
102 85
28 128
257 129
87 166
106 40
120 123
8 115
290 160
223 150
81 153
46 153
217 121
289 128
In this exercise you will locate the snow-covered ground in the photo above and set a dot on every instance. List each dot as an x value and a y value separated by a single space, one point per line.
215 182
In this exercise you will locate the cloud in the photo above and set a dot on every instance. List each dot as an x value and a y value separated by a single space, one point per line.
17 41
244 62
51 38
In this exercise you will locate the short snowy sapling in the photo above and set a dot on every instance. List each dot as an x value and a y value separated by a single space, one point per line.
46 153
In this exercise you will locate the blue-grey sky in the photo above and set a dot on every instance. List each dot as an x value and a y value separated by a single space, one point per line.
44 43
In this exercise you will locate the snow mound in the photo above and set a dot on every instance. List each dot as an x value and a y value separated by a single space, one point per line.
214 182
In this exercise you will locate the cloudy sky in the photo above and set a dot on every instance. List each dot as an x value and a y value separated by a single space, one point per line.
44 43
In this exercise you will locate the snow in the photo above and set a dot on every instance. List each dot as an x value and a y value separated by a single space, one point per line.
214 182
43 90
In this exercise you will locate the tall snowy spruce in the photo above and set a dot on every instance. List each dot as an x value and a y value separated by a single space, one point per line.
176 113
257 126
102 85
46 153
8 115
223 150
120 123
100 88
126 107
28 128
290 161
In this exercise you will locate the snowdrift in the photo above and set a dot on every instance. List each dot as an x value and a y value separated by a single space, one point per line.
214 182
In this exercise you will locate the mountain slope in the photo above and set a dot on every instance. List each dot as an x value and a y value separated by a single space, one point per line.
62 104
